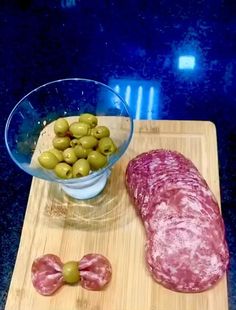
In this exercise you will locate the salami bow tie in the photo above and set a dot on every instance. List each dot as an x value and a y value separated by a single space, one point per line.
93 272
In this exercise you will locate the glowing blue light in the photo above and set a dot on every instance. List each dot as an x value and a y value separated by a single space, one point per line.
68 3
141 96
186 62
127 94
139 103
117 88
150 103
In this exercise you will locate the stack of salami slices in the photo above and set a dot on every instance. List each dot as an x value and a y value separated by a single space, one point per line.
186 249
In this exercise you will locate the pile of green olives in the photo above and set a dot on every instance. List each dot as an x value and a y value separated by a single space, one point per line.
78 148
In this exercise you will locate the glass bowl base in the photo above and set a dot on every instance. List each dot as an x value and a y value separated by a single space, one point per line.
88 189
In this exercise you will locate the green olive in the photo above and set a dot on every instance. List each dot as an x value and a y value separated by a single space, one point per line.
89 119
70 272
100 132
107 146
69 155
63 171
61 127
79 130
61 143
81 152
80 168
88 142
58 154
74 142
96 160
48 160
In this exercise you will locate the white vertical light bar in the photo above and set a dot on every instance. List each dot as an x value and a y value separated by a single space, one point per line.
116 100
127 94
117 89
139 102
150 103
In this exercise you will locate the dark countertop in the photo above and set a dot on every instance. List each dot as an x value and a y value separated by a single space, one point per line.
130 44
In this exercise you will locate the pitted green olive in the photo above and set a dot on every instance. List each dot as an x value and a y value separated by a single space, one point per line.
69 155
58 154
74 142
88 142
61 127
61 143
80 168
81 152
88 119
48 160
100 132
70 272
107 146
63 171
96 160
79 130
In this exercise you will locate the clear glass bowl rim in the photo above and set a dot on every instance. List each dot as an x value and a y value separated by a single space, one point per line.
93 175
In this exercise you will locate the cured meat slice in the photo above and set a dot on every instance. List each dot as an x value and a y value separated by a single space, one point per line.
46 274
157 162
143 192
185 200
95 271
186 249
153 170
149 195
183 256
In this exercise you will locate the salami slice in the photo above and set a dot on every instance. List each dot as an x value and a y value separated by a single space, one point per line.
186 249
150 172
183 256
46 274
95 271
181 203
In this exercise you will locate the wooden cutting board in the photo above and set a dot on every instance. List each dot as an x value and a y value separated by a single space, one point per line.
108 224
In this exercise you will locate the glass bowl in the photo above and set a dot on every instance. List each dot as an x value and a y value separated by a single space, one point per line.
29 128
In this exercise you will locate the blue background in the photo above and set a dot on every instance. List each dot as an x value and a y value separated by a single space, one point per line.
134 46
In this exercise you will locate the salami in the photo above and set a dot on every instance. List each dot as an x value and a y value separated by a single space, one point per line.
48 274
95 271
186 249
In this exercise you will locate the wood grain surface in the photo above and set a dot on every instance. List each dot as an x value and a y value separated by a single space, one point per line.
108 224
